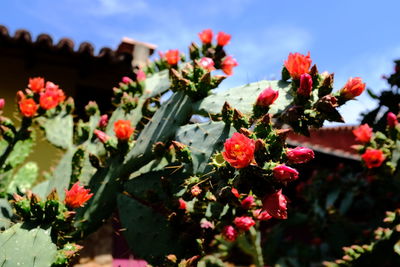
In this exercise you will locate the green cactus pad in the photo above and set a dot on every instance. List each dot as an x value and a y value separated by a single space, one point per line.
23 247
59 130
147 232
203 141
172 114
6 212
244 97
24 178
20 152
157 84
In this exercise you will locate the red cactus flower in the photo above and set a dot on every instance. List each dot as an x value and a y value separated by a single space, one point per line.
391 119
373 158
275 205
227 65
239 150
285 173
36 84
123 129
267 97
2 103
206 36
77 196
28 107
244 223
172 57
298 64
248 202
229 233
223 38
207 63
363 133
306 84
51 98
261 215
299 155
354 87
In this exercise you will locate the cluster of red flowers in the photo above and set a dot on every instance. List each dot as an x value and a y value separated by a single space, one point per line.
49 96
206 37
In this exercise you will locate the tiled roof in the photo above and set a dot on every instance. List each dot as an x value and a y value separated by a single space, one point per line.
335 141
23 37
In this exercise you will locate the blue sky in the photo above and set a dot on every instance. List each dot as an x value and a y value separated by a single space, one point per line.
347 37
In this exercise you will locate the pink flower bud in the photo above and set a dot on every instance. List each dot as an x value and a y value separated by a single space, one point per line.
248 202
2 103
182 204
126 80
103 121
261 215
306 84
285 173
267 97
299 155
391 119
140 75
207 63
244 223
275 205
102 136
229 233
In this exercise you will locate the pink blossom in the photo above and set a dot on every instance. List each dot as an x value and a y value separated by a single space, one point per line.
230 233
244 222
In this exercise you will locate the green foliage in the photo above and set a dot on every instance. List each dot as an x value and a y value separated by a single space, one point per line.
6 214
22 246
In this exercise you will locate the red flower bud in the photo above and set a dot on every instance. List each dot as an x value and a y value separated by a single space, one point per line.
36 84
275 205
391 119
261 215
248 202
229 233
267 97
298 64
244 223
172 57
140 75
206 36
227 65
235 192
2 103
126 80
77 196
354 87
182 204
223 38
306 84
103 121
195 190
123 129
239 150
28 107
363 133
373 158
102 136
207 63
285 173
299 155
